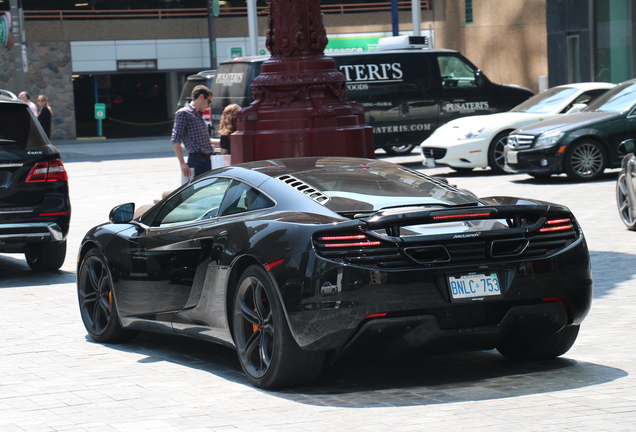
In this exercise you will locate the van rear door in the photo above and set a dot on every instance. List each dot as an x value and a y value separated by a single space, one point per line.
396 91
459 94
233 85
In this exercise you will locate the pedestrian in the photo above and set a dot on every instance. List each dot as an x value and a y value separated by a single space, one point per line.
227 126
26 98
191 131
44 116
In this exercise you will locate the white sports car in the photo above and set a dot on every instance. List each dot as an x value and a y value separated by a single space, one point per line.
478 141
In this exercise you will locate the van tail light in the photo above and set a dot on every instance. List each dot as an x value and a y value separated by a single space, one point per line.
50 171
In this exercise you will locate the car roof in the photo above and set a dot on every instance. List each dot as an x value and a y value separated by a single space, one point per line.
7 96
256 59
586 85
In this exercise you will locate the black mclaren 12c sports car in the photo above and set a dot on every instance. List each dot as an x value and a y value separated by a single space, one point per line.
297 262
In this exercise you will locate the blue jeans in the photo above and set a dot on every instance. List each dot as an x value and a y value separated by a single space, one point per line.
200 163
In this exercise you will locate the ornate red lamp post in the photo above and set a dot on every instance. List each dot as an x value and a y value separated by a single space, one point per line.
300 103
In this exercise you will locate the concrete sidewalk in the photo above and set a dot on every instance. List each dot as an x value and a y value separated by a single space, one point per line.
154 147
108 148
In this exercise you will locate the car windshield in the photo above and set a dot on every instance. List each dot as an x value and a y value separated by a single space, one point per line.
619 99
546 101
371 188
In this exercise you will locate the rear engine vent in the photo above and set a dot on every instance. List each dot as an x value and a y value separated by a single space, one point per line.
508 248
305 188
428 254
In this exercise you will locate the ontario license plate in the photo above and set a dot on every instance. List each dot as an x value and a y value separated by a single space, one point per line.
430 163
471 286
511 157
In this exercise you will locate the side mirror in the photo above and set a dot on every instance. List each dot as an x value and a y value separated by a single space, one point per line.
480 79
123 213
627 146
576 108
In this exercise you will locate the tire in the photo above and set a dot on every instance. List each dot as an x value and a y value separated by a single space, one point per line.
268 353
96 300
522 349
46 256
585 161
399 150
496 158
626 178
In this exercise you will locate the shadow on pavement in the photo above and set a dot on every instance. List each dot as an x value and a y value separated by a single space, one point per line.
413 380
610 269
15 273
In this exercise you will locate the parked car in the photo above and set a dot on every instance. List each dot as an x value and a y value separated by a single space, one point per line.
205 78
626 185
407 90
582 145
478 141
296 261
35 208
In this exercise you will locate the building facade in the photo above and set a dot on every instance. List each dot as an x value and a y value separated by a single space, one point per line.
134 56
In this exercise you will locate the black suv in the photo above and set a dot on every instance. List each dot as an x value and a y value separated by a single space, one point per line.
35 209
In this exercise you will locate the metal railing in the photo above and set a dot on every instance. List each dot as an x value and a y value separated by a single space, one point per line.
62 15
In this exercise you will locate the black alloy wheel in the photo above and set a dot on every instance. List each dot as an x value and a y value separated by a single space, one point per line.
268 353
625 188
496 157
96 301
585 161
399 150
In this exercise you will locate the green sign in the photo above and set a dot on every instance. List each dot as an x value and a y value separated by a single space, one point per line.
354 44
6 38
100 111
216 8
236 52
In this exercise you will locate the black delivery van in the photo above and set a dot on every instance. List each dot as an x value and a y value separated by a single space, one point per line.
406 93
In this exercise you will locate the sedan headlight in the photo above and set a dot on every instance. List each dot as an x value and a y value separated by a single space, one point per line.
471 134
549 139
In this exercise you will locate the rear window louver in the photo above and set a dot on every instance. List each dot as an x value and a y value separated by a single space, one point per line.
304 188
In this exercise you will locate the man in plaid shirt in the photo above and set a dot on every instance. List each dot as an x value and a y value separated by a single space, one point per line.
191 130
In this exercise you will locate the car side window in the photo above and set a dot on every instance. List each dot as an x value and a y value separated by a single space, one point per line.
455 72
242 197
198 201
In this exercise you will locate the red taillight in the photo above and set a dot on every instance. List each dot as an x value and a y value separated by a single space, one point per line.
557 225
51 171
349 241
462 216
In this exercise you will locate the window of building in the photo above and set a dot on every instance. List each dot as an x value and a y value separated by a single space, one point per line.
614 40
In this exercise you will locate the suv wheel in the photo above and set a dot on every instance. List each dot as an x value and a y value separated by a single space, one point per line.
46 256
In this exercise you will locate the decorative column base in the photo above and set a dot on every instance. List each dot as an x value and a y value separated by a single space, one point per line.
300 103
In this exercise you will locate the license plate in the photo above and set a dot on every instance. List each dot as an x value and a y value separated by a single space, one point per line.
430 163
473 286
511 157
